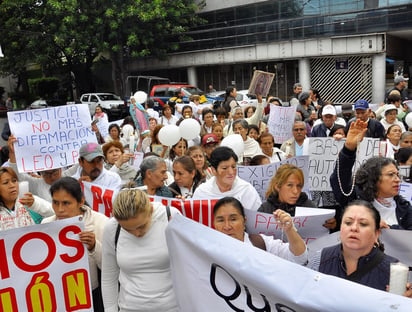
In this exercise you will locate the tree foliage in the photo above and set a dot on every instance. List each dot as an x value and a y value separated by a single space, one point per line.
67 36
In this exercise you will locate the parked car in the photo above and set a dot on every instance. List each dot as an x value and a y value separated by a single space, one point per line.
161 93
41 103
112 104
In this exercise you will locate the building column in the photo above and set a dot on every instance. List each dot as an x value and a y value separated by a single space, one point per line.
304 73
378 77
192 76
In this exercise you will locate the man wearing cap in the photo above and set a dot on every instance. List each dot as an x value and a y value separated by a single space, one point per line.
209 143
400 83
328 122
91 169
362 111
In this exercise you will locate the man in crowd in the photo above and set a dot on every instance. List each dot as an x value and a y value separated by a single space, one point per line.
91 169
297 90
327 124
296 146
362 111
400 84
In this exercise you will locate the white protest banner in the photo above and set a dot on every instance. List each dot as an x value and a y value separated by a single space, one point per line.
308 221
398 244
280 122
199 210
99 198
212 271
49 138
44 268
405 190
260 176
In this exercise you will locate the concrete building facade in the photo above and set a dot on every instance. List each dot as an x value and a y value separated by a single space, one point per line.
345 49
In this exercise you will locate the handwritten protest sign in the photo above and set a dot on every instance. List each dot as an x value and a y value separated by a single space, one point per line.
280 122
323 153
260 176
49 138
44 268
308 222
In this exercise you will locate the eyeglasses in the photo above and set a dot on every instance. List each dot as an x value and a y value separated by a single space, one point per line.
299 129
51 174
392 175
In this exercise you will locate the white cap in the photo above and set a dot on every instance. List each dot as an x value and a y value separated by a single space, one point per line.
328 110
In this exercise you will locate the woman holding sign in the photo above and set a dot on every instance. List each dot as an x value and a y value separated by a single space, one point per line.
14 211
376 181
229 218
68 201
285 192
359 257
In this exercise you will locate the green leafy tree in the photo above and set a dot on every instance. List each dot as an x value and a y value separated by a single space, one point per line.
68 36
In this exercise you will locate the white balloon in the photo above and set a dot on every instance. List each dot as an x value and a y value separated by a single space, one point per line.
169 135
235 142
189 128
408 120
140 97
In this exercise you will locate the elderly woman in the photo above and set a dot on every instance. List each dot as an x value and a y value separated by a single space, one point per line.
393 137
252 147
117 160
377 181
136 273
153 174
359 257
229 218
186 176
390 113
406 139
18 212
68 201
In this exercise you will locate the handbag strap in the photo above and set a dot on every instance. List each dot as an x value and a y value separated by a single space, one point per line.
358 274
